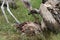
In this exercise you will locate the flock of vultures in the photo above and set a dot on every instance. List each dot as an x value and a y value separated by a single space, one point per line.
50 16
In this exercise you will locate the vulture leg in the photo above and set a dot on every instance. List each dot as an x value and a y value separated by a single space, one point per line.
11 12
2 8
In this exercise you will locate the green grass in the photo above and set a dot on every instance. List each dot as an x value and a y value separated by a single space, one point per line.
8 32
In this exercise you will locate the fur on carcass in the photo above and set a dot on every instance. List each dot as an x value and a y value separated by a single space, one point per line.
29 27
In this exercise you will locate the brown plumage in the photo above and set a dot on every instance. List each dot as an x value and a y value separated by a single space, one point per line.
56 12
